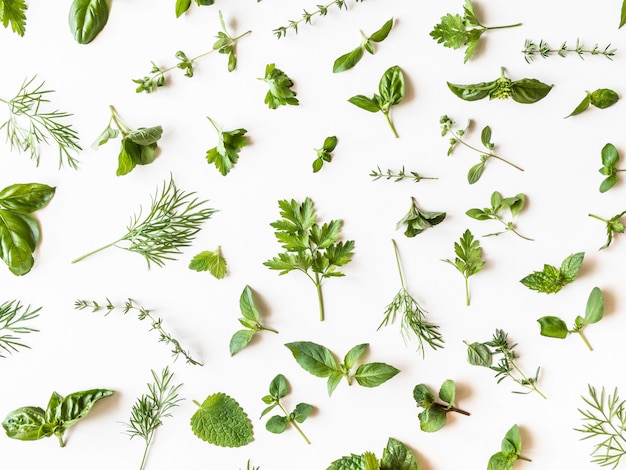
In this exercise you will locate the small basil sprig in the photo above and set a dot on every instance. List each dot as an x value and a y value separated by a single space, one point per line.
391 89
324 154
525 91
434 416
552 279
613 225
349 60
251 321
554 327
601 98
87 18
30 423
510 451
610 158
417 220
514 204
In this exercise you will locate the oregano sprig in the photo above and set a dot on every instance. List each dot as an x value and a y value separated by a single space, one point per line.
533 50
614 225
434 416
324 154
610 159
14 320
398 175
468 259
510 451
349 60
226 153
514 204
251 321
551 279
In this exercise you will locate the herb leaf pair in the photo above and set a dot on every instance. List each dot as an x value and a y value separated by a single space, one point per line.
468 259
434 416
551 280
613 225
417 220
211 261
250 320
396 456
321 362
13 316
87 18
601 98
229 144
324 154
221 421
279 388
280 92
514 204
610 159
511 449
13 12
349 60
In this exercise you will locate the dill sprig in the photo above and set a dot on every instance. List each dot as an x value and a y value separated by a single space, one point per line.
150 409
398 175
29 126
142 314
604 420
412 316
532 50
249 465
12 317
322 10
173 221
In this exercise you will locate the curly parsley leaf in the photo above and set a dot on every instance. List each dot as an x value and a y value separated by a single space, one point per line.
221 421
211 261
13 12
226 153
280 92
551 280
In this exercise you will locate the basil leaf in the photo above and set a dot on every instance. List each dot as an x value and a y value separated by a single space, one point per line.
603 98
128 158
365 103
77 405
608 183
477 214
333 381
24 423
383 32
26 197
397 456
279 387
473 92
145 135
553 327
330 143
87 18
347 61
354 354
374 374
529 90
19 236
246 304
53 410
584 104
391 86
182 6
595 306
610 156
314 358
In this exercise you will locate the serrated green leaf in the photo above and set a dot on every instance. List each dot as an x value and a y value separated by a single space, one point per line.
571 265
280 92
450 31
548 281
211 261
423 396
397 456
221 421
353 462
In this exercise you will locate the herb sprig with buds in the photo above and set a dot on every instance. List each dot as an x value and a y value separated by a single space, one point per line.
29 126
13 316
280 92
511 449
434 416
324 154
601 98
552 279
398 175
468 259
142 314
322 10
532 50
251 321
613 225
172 223
456 31
349 60
226 153
514 204
417 220
150 409
610 159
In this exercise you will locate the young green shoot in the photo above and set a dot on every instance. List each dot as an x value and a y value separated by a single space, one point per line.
417 220
510 451
398 175
468 259
14 318
514 204
322 10
251 321
229 143
349 60
614 225
610 159
552 279
532 50
434 416
324 154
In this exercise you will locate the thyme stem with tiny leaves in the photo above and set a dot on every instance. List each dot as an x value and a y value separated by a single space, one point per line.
398 175
322 10
532 50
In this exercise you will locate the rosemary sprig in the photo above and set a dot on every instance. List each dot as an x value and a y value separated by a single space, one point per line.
142 314
12 317
532 50
604 420
171 224
413 316
398 175
150 409
322 10
29 126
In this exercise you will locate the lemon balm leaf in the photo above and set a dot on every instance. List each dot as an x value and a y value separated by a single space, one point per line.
221 421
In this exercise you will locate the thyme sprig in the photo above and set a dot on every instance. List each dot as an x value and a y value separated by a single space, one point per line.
29 126
142 314
322 10
532 50
13 315
398 175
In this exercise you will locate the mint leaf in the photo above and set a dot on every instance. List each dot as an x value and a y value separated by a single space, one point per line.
211 261
397 456
221 421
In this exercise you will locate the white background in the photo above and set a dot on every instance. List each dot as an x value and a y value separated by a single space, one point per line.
77 350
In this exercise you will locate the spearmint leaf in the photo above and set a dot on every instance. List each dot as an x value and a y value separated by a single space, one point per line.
374 374
301 412
501 461
314 358
371 462
397 456
353 462
447 392
432 419
553 327
571 265
423 396
547 281
513 440
222 422
211 261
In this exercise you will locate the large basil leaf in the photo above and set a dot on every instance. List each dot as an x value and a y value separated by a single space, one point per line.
87 18
391 86
26 197
314 358
529 90
24 423
474 92
19 236
75 406
145 135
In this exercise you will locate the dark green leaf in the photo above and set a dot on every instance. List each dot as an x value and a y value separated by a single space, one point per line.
473 92
276 424
301 412
432 419
553 327
374 374
595 306
145 135
529 90
478 354
25 423
19 236
391 86
240 340
347 61
77 405
318 163
603 98
27 198
397 456
279 387
330 143
584 104
383 32
87 18
608 183
365 103
314 358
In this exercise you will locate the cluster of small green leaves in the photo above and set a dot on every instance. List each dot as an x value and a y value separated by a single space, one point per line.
601 98
30 423
183 5
229 144
554 327
468 259
552 279
309 247
221 421
13 315
532 50
525 91
610 159
417 220
250 320
279 388
396 456
391 91
510 451
87 18
211 261
324 154
321 362
13 12
482 354
280 92
322 10
514 204
456 31
398 175
614 225
434 416
349 60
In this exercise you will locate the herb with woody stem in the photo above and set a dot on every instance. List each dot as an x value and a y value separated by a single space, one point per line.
514 204
142 314
610 159
412 314
398 175
322 10
13 315
532 50
605 420
613 225
41 126
150 409
172 223
468 259
14 12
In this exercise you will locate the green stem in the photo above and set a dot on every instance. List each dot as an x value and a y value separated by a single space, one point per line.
59 436
393 128
395 249
145 456
80 258
264 328
582 335
527 381
320 298
599 218
488 154
295 424
503 27
467 298
124 129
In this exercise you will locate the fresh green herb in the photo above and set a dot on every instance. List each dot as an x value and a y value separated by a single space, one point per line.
13 315
321 362
225 44
13 12
280 92
434 416
398 175
138 146
610 159
172 223
142 314
553 279
211 261
183 5
152 408
308 246
250 320
31 423
622 20
279 388
554 327
87 19
226 153
525 91
532 50
605 421
413 316
481 354
391 88
40 126
514 204
475 172
322 10
613 225
601 98
349 60
511 449
417 220
249 465
324 154
396 456
221 421
19 230
468 259
456 31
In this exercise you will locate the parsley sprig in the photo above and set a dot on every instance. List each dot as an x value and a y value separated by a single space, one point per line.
468 259
13 12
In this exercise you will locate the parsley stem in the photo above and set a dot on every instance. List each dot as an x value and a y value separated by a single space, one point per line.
488 154
393 128
598 217
320 298
295 424
503 27
467 298
582 335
